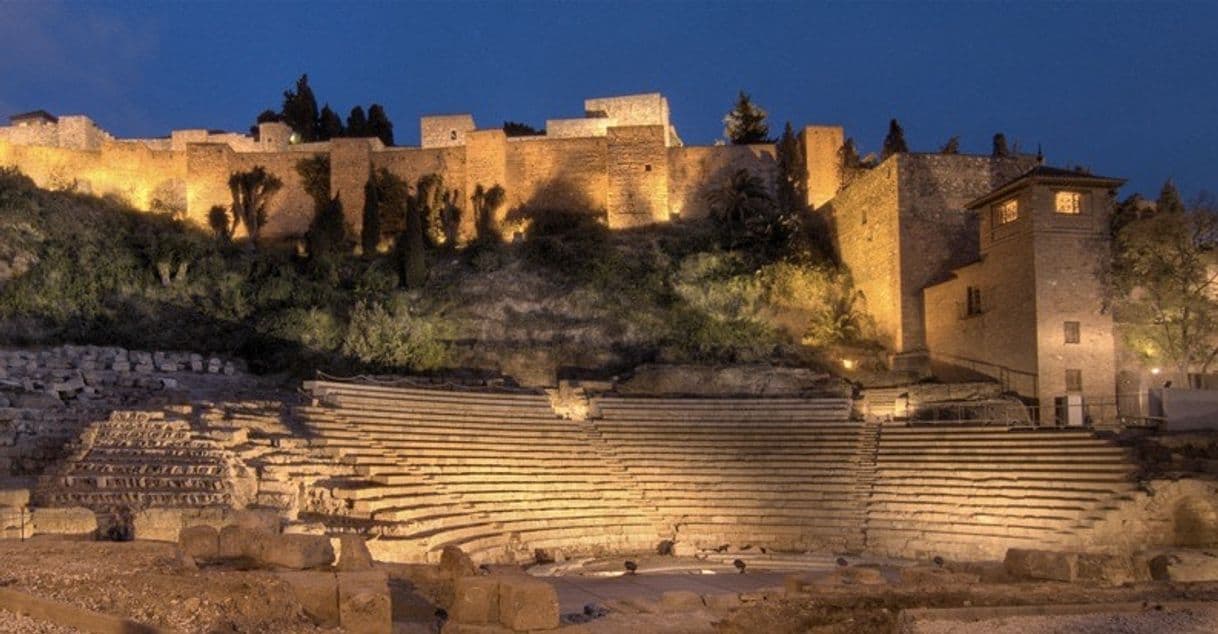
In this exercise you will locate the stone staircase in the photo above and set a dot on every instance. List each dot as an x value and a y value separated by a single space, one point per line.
141 459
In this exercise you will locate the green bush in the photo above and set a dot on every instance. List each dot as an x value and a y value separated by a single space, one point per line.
394 338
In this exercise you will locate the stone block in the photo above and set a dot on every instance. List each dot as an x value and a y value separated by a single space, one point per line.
305 528
934 577
680 601
317 592
200 542
14 497
1026 563
160 525
684 549
1108 570
353 554
454 563
453 627
258 519
77 521
1185 566
297 552
475 600
721 601
239 542
527 604
363 602
15 523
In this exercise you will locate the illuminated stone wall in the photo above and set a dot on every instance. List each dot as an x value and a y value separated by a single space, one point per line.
694 171
903 225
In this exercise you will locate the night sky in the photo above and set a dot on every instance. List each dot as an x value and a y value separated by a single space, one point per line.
1127 89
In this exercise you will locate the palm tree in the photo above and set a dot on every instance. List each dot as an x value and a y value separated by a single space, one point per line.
251 191
743 208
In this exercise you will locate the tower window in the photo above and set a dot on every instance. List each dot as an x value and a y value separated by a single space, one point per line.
1074 380
647 167
1006 211
972 301
1068 203
453 135
1072 332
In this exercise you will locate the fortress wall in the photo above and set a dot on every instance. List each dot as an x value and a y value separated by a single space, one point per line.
485 165
822 147
937 233
291 209
568 173
637 192
693 172
208 166
567 128
30 135
411 163
864 223
131 171
350 167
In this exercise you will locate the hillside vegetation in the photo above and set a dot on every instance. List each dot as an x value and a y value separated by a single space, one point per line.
82 269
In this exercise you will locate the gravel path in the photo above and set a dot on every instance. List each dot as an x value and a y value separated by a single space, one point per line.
1188 620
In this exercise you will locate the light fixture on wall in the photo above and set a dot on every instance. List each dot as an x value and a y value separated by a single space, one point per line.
1155 371
849 364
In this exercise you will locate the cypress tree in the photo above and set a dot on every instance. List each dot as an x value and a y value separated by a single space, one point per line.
379 125
1000 146
370 234
412 267
894 143
328 232
300 110
951 147
792 171
850 155
357 123
330 126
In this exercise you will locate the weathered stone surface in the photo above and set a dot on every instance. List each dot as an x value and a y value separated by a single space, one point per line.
721 601
1023 563
476 600
363 602
1111 570
680 601
1185 566
14 497
353 554
240 542
64 521
161 525
317 592
200 542
297 551
755 379
933 577
15 524
527 604
258 519
453 627
455 563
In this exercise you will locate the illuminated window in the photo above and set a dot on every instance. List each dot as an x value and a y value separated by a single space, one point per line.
973 301
1006 211
1068 203
1074 380
1072 332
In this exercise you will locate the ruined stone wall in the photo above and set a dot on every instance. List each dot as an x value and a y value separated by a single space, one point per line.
693 172
863 221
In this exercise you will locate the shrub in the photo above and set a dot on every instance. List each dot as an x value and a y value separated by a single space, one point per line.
394 338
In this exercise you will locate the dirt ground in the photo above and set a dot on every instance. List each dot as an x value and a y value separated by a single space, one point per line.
146 582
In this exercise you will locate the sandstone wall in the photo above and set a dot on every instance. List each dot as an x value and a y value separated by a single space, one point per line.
638 176
557 172
693 172
131 171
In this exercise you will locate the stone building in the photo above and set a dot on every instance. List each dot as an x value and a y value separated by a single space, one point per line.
1028 309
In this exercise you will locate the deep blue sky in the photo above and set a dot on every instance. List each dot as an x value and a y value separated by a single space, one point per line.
1128 89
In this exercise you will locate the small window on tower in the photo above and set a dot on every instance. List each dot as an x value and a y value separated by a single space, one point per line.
1074 380
1006 211
453 135
973 301
647 167
1072 332
1068 203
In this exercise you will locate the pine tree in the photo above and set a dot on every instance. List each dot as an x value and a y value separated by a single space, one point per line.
379 125
1000 146
1169 199
330 126
746 122
300 110
357 123
515 128
894 143
951 147
370 233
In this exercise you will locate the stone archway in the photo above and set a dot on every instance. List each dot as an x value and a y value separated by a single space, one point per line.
1194 523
